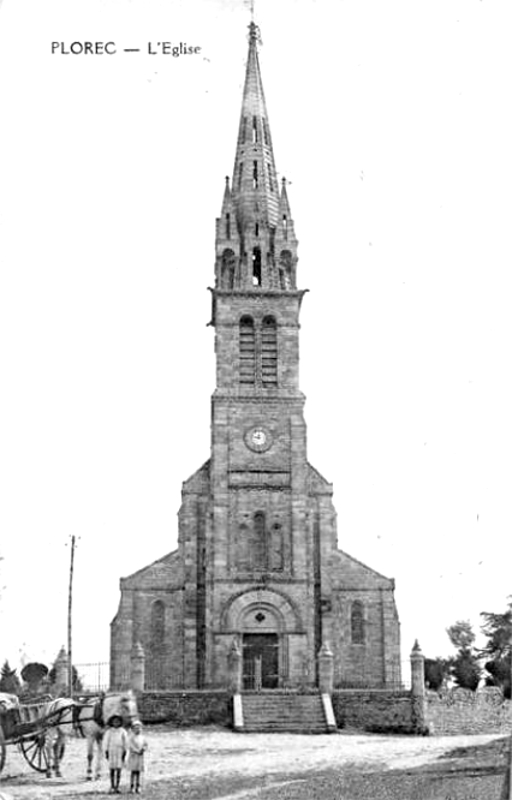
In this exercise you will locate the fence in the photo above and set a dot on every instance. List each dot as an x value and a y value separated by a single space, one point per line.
369 679
93 677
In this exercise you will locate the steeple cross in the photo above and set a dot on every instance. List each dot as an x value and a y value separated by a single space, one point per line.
254 31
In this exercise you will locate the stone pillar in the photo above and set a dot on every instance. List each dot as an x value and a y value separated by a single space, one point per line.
418 699
235 668
325 669
61 673
138 668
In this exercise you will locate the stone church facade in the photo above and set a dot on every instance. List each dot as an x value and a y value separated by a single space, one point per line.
257 561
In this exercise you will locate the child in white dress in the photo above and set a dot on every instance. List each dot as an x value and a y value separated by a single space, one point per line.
137 746
115 746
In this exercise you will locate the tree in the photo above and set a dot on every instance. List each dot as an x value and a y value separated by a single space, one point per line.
461 635
34 675
466 670
498 630
437 671
465 666
9 681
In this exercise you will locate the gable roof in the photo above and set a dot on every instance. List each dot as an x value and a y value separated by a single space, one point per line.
349 573
165 573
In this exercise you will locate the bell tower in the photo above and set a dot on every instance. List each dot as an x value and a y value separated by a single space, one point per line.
261 536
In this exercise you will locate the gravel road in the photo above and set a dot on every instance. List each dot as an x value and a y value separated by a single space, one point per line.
217 763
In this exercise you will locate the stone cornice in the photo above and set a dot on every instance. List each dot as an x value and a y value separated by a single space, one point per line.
256 294
257 396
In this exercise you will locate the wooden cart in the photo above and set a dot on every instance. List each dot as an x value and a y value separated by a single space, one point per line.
27 725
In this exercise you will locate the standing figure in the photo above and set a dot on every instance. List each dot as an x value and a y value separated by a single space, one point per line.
115 746
137 746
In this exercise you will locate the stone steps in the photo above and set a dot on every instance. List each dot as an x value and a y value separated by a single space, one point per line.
275 712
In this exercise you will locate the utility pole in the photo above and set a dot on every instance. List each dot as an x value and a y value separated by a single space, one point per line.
70 606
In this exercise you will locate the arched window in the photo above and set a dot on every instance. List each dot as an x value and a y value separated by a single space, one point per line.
269 352
243 130
259 546
228 269
157 626
247 352
259 549
155 663
276 547
242 547
357 623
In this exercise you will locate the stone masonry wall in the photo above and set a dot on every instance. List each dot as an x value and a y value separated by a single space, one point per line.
457 711
461 711
382 712
377 711
185 708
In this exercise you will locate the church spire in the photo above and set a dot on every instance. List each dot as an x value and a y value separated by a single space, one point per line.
254 173
254 210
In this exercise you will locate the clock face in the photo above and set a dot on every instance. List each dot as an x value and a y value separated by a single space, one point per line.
258 439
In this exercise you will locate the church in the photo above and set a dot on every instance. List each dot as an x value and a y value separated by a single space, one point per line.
257 562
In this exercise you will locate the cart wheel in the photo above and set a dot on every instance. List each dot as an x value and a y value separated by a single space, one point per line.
35 752
2 749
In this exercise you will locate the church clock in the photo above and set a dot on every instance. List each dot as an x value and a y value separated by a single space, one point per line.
258 439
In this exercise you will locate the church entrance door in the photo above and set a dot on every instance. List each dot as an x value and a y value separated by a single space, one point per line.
260 661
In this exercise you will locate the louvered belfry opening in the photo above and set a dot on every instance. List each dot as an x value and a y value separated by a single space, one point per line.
269 352
247 352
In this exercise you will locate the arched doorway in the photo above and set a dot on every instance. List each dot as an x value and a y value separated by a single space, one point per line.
260 661
262 648
270 634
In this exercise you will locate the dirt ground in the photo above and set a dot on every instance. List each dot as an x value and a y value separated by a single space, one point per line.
210 764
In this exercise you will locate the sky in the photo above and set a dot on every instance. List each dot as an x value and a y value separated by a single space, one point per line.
391 122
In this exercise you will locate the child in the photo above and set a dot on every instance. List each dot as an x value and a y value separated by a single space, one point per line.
137 746
115 745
